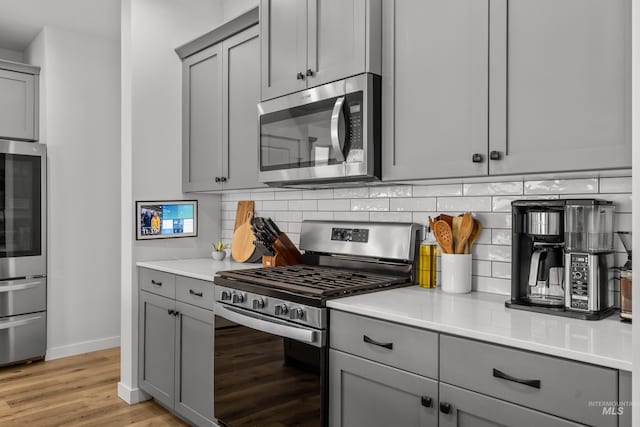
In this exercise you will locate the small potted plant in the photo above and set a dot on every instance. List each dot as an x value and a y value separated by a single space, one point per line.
218 252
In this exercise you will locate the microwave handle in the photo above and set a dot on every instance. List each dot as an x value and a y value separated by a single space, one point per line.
336 117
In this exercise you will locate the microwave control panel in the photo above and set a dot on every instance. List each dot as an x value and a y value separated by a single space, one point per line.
360 235
354 112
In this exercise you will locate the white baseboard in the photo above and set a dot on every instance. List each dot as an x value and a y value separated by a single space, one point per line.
131 395
82 347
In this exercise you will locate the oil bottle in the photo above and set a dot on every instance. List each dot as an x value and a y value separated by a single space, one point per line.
426 274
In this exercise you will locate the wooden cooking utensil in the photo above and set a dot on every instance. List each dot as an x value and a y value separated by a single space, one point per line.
477 228
244 206
444 236
455 230
242 247
466 227
446 218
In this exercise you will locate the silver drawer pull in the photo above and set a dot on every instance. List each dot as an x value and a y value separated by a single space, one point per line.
531 383
17 323
368 340
198 294
19 287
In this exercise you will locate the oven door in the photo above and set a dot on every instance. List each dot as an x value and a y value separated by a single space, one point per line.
22 207
267 371
320 134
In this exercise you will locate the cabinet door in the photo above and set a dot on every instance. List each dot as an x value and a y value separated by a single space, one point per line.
194 364
241 94
18 105
435 87
283 31
624 382
202 120
365 393
336 34
560 85
156 347
462 408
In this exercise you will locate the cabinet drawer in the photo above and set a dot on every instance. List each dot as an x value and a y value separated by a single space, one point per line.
403 347
556 386
194 291
158 282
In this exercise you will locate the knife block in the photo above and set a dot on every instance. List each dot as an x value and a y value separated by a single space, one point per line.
286 253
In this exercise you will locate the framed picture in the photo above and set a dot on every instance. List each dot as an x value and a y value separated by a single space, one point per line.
166 219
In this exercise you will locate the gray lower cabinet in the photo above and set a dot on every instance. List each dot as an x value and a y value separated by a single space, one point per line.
463 408
18 101
176 355
624 410
220 93
366 393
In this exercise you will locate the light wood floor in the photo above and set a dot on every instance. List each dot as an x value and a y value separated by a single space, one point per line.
74 391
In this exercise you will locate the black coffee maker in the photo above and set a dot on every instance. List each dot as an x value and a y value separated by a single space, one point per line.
537 254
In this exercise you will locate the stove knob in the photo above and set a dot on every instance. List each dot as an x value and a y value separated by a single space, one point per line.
237 298
281 309
258 303
225 296
297 313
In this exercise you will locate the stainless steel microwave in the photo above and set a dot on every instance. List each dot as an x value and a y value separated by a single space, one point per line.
324 135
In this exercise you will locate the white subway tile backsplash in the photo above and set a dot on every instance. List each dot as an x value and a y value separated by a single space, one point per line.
501 270
351 216
489 201
334 205
615 185
440 190
492 188
303 205
413 204
390 191
463 204
351 193
391 216
288 195
275 205
369 204
318 194
562 186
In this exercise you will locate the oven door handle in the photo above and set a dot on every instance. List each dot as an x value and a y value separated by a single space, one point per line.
336 116
271 326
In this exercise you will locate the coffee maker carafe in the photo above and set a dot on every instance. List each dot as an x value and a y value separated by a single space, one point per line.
561 257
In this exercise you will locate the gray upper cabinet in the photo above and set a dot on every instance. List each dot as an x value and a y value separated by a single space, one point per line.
241 94
194 364
156 347
462 408
18 101
365 393
312 42
560 85
435 88
221 90
202 120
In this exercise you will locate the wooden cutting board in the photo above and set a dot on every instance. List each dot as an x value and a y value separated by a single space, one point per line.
244 206
242 247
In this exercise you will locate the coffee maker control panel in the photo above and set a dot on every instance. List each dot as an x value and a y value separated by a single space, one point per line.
579 281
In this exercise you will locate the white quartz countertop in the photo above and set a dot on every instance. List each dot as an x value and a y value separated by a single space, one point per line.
197 268
483 316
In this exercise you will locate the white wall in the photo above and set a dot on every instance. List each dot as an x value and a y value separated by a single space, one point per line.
80 124
151 144
233 8
11 55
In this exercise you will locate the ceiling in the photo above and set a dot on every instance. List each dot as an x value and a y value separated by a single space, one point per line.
22 20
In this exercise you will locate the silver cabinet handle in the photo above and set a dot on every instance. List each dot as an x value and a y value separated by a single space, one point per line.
19 287
336 116
21 322
264 324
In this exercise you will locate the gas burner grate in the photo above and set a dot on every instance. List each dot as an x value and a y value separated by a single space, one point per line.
314 281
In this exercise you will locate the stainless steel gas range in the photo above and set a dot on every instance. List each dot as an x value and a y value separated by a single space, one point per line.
272 324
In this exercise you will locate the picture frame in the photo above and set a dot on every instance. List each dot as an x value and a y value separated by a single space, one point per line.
166 219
